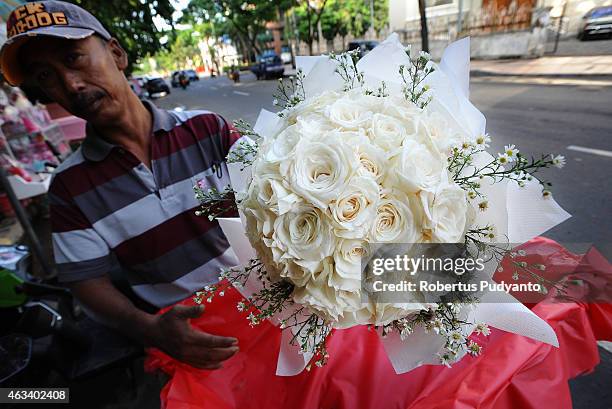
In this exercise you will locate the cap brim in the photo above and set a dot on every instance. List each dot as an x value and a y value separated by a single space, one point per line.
9 64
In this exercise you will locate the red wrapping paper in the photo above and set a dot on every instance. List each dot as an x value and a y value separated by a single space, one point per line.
512 372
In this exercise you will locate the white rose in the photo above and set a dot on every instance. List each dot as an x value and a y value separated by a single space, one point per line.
305 235
295 273
275 196
352 317
418 168
397 106
447 211
263 221
384 313
258 229
373 160
263 168
349 114
348 257
316 104
313 125
283 146
369 102
443 131
324 300
394 221
354 208
319 170
388 132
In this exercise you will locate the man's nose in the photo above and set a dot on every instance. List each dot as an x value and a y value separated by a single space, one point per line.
72 81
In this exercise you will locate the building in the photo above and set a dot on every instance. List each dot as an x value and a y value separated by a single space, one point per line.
521 20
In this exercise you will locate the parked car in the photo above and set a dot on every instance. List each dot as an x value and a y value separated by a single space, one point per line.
286 55
192 75
596 23
156 87
269 65
364 46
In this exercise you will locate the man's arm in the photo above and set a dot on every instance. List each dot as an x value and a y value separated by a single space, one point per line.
171 332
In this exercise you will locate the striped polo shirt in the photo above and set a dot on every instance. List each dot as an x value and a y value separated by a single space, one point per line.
107 208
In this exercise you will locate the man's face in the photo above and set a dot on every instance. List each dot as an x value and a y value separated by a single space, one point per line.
83 76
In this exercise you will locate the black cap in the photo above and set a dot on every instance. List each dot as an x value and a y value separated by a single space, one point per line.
44 18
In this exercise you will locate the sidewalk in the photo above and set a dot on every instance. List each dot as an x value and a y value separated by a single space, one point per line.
585 67
550 66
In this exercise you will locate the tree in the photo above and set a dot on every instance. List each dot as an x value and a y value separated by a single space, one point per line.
243 21
381 15
359 12
424 34
308 13
131 22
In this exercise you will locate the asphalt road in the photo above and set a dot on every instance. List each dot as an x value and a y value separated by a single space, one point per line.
543 117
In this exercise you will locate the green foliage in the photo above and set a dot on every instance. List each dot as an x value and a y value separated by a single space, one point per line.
335 20
343 17
243 21
131 22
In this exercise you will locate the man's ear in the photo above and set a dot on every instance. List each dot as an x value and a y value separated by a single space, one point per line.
119 54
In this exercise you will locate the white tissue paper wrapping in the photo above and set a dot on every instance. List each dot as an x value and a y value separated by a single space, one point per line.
518 213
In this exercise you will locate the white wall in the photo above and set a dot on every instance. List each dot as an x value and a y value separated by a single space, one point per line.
402 11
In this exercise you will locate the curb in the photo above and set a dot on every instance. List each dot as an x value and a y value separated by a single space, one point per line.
483 73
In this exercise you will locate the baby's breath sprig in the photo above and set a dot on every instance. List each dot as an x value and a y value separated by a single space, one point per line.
381 92
235 276
311 336
214 202
289 92
243 128
444 320
347 69
413 76
520 169
310 331
244 153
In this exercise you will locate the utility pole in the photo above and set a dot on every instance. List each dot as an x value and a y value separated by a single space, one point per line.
424 34
460 18
559 27
372 18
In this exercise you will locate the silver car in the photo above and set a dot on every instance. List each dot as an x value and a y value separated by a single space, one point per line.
596 23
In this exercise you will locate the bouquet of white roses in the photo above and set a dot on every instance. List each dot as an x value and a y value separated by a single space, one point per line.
387 149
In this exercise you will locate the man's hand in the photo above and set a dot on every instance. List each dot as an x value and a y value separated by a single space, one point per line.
172 333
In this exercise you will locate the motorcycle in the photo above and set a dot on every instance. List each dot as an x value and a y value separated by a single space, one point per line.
183 82
234 75
44 333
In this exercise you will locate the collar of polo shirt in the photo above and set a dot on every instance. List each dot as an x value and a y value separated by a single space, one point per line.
95 148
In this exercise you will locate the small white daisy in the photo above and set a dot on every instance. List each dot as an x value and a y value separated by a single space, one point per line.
483 140
483 329
474 349
423 54
503 158
558 161
510 151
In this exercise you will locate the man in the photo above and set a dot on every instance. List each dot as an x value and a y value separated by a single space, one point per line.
126 196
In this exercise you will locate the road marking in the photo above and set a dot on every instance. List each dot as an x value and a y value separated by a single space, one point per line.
215 88
246 94
592 151
542 81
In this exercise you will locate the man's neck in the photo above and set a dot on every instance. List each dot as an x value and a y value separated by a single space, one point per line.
132 130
